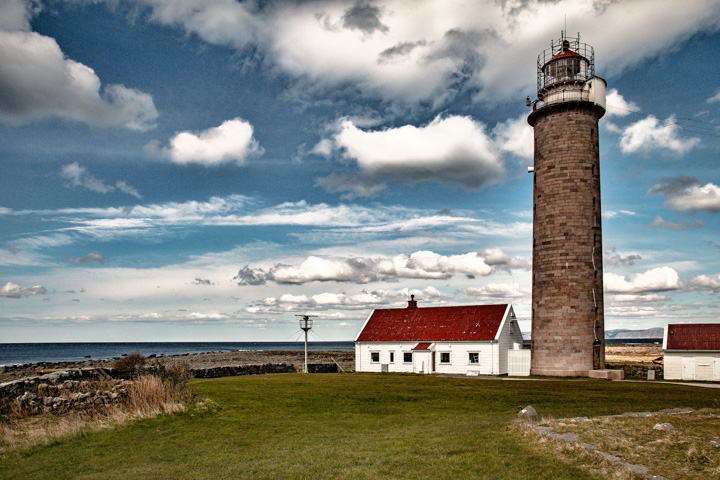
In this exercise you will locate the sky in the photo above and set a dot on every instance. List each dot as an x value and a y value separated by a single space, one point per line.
191 170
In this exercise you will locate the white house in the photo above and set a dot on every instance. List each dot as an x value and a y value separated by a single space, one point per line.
473 339
692 351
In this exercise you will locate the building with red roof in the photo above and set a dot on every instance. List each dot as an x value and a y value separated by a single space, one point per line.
471 339
692 351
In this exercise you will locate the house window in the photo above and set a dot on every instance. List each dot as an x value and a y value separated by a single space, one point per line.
407 357
474 357
444 357
392 357
375 357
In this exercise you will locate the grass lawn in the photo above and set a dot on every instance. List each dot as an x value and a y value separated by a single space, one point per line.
351 426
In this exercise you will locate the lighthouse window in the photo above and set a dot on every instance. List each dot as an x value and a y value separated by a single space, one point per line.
563 69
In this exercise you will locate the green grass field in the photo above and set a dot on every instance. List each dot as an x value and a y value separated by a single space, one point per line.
351 426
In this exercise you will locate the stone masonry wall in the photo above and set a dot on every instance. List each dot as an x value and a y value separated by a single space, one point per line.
96 388
567 298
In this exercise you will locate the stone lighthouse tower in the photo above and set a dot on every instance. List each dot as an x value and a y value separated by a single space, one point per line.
567 277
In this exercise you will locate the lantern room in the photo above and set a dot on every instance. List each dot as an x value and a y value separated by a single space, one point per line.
566 72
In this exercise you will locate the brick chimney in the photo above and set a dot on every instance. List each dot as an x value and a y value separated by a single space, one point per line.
412 303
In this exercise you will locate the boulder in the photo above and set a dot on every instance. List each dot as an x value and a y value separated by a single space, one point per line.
665 427
528 414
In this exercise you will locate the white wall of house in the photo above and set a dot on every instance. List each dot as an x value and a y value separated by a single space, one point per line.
519 363
509 334
462 357
450 357
458 354
691 365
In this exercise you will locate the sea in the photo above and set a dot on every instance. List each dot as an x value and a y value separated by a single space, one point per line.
22 353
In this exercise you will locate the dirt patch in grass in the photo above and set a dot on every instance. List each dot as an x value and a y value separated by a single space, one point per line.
679 445
632 353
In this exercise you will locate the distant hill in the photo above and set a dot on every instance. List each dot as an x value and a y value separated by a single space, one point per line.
624 333
656 332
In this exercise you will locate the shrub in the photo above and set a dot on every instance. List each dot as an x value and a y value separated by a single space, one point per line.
177 375
130 366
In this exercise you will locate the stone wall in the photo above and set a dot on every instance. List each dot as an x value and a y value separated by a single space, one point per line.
234 371
322 368
62 391
97 388
637 371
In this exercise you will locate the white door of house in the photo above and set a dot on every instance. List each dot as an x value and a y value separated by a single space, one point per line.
688 368
421 361
716 369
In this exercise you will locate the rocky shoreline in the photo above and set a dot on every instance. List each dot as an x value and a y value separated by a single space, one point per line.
195 361
61 387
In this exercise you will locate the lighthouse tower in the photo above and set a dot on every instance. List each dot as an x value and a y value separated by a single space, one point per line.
567 273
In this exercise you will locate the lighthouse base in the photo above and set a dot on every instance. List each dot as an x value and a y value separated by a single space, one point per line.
607 374
552 372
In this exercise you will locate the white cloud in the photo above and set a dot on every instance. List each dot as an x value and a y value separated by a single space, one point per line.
496 292
660 222
207 316
612 257
221 22
648 135
617 105
685 194
15 15
453 149
715 98
92 257
232 141
37 81
659 279
13 290
342 301
79 177
706 282
614 213
421 265
516 136
642 298
323 147
238 210
425 52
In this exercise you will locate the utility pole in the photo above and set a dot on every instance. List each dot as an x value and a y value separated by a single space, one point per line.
306 324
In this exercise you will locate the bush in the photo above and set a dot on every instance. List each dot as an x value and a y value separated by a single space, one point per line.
130 366
175 375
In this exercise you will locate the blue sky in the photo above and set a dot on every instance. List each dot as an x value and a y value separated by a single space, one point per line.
189 170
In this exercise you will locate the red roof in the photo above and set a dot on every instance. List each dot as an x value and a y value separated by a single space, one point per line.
422 346
697 336
433 324
565 54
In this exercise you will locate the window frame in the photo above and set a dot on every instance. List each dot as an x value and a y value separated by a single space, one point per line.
374 357
443 357
405 357
392 357
477 358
